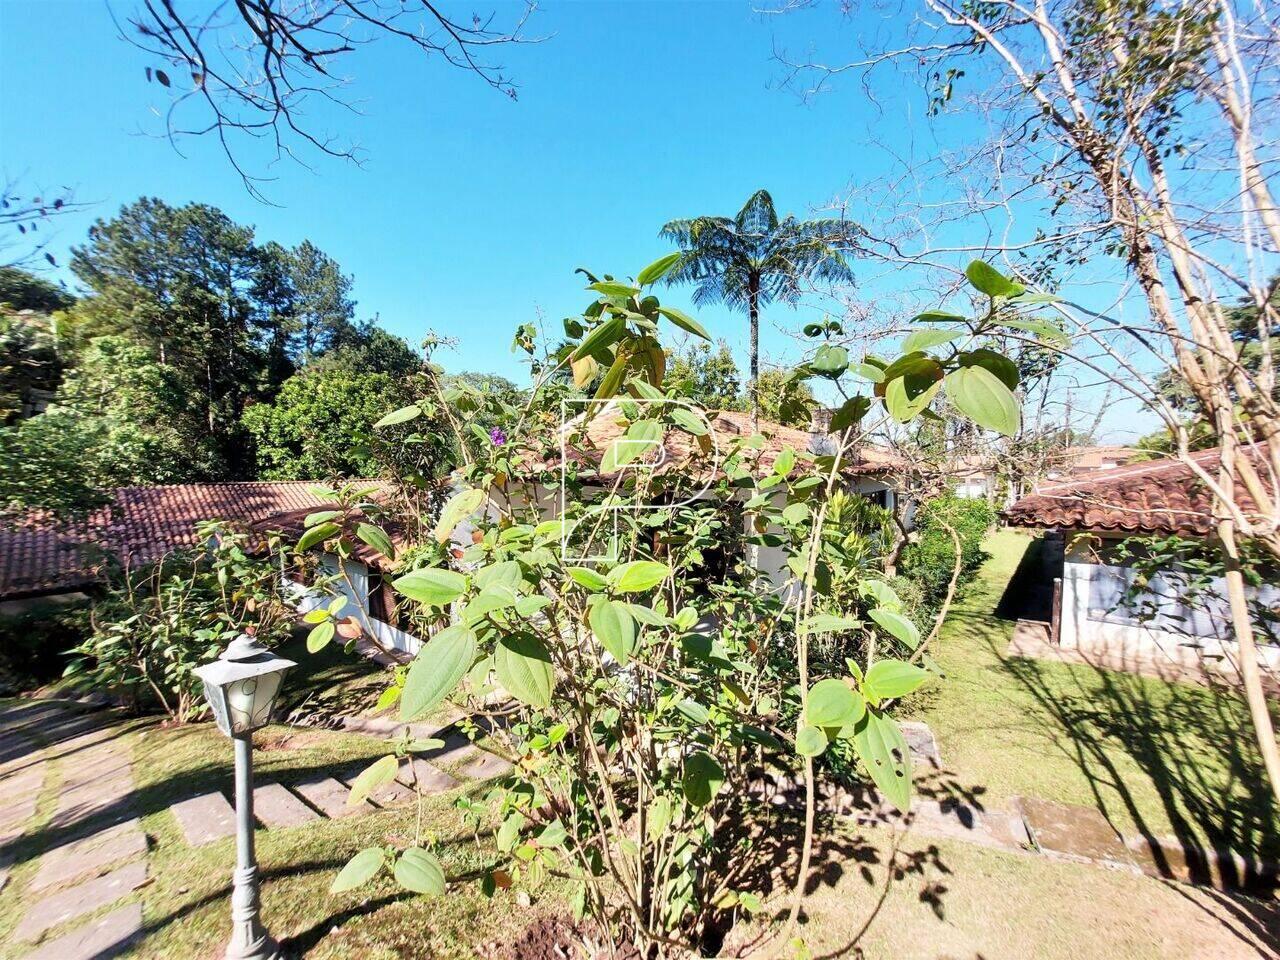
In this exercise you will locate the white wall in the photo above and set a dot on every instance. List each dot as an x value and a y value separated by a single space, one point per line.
1105 630
357 594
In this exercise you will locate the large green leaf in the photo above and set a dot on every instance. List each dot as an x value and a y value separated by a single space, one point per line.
320 636
829 623
658 269
851 411
906 397
930 337
689 421
830 360
991 281
638 576
983 398
321 516
400 416
614 628
317 534
641 438
377 538
1006 370
383 770
613 288
420 871
506 574
893 678
685 322
359 870
832 703
886 756
433 586
1042 329
586 577
437 669
600 337
810 741
897 625
703 778
524 667
460 506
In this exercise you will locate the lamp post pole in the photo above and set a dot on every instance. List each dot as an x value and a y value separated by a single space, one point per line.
241 687
249 939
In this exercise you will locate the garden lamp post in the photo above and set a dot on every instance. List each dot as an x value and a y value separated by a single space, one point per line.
241 688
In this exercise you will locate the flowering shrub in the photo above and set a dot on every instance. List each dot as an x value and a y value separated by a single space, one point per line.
648 691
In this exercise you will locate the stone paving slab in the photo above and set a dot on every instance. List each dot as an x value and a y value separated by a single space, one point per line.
955 820
112 804
76 771
91 854
485 765
105 937
921 742
276 807
205 819
431 779
113 785
57 908
1073 832
386 795
330 798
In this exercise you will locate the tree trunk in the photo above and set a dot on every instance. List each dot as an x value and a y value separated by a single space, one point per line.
1250 675
753 316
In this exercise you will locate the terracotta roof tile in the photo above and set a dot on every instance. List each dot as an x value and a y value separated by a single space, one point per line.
139 526
681 451
1160 496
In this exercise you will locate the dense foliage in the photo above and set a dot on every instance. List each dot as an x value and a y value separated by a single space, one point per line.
187 325
157 624
655 672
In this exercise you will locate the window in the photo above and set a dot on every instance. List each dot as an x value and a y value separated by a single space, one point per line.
382 604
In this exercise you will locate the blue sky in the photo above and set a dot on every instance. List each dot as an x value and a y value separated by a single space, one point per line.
471 211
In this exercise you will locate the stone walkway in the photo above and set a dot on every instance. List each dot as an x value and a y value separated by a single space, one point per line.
210 817
66 773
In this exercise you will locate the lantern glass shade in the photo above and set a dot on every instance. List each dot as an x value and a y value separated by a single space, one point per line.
241 687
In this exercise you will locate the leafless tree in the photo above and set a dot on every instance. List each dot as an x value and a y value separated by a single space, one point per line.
255 70
1140 135
25 217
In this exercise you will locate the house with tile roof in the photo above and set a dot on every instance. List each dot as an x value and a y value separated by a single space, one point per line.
1103 606
137 526
699 462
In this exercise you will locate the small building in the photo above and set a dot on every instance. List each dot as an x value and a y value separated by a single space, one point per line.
1107 609
136 527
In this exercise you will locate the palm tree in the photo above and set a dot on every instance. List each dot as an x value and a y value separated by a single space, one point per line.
751 260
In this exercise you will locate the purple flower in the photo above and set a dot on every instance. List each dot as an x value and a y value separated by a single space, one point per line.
497 436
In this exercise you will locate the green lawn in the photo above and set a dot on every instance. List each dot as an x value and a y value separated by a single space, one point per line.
1159 758
186 900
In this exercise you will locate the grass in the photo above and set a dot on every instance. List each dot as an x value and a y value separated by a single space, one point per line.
1158 757
186 900
907 898
1154 757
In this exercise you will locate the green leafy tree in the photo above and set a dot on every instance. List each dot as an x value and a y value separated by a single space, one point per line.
753 259
23 290
119 418
708 377
785 399
29 361
636 736
320 424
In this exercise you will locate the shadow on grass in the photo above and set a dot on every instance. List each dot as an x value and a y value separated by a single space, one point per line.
1195 745
1029 594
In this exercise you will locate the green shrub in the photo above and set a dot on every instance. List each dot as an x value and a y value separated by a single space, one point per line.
156 625
34 643
928 562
